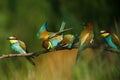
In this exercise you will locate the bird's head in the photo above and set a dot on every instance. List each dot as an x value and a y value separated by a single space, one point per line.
47 44
90 25
12 39
104 33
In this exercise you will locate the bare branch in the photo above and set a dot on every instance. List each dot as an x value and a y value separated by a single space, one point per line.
15 55
63 31
113 50
32 54
58 33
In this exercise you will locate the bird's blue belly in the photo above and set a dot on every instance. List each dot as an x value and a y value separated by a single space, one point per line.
17 48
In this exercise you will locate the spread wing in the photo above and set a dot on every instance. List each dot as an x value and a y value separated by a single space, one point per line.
42 29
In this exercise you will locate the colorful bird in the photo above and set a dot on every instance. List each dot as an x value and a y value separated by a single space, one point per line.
86 39
111 39
51 39
52 43
44 34
19 47
67 42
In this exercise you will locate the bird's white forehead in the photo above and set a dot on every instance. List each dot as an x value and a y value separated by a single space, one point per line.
102 31
11 37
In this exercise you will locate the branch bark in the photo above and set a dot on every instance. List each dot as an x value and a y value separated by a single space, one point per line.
15 55
58 33
32 54
113 50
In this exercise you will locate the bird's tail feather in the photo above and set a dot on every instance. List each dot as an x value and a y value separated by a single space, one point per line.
62 26
30 60
77 57
79 53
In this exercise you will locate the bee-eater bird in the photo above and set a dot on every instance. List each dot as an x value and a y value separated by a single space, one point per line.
19 47
44 34
111 39
67 42
86 39
52 43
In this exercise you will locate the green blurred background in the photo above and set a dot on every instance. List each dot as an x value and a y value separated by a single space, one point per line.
23 18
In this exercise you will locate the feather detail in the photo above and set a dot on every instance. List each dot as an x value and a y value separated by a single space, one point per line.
22 44
62 26
85 39
87 35
115 38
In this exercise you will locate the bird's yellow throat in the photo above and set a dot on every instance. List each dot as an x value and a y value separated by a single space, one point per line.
104 34
13 41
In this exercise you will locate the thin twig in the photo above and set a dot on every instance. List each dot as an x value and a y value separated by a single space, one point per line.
58 33
63 31
32 54
15 55
40 52
113 50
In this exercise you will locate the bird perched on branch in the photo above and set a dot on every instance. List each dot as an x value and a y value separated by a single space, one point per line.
51 40
19 47
68 41
44 34
52 43
86 39
111 39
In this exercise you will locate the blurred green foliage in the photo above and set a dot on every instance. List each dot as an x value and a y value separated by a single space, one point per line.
23 18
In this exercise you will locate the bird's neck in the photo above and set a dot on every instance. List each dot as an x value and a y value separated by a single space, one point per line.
108 36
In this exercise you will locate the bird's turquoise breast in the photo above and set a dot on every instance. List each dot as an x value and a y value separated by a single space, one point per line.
17 48
55 42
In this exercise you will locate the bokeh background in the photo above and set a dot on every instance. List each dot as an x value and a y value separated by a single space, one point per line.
23 19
